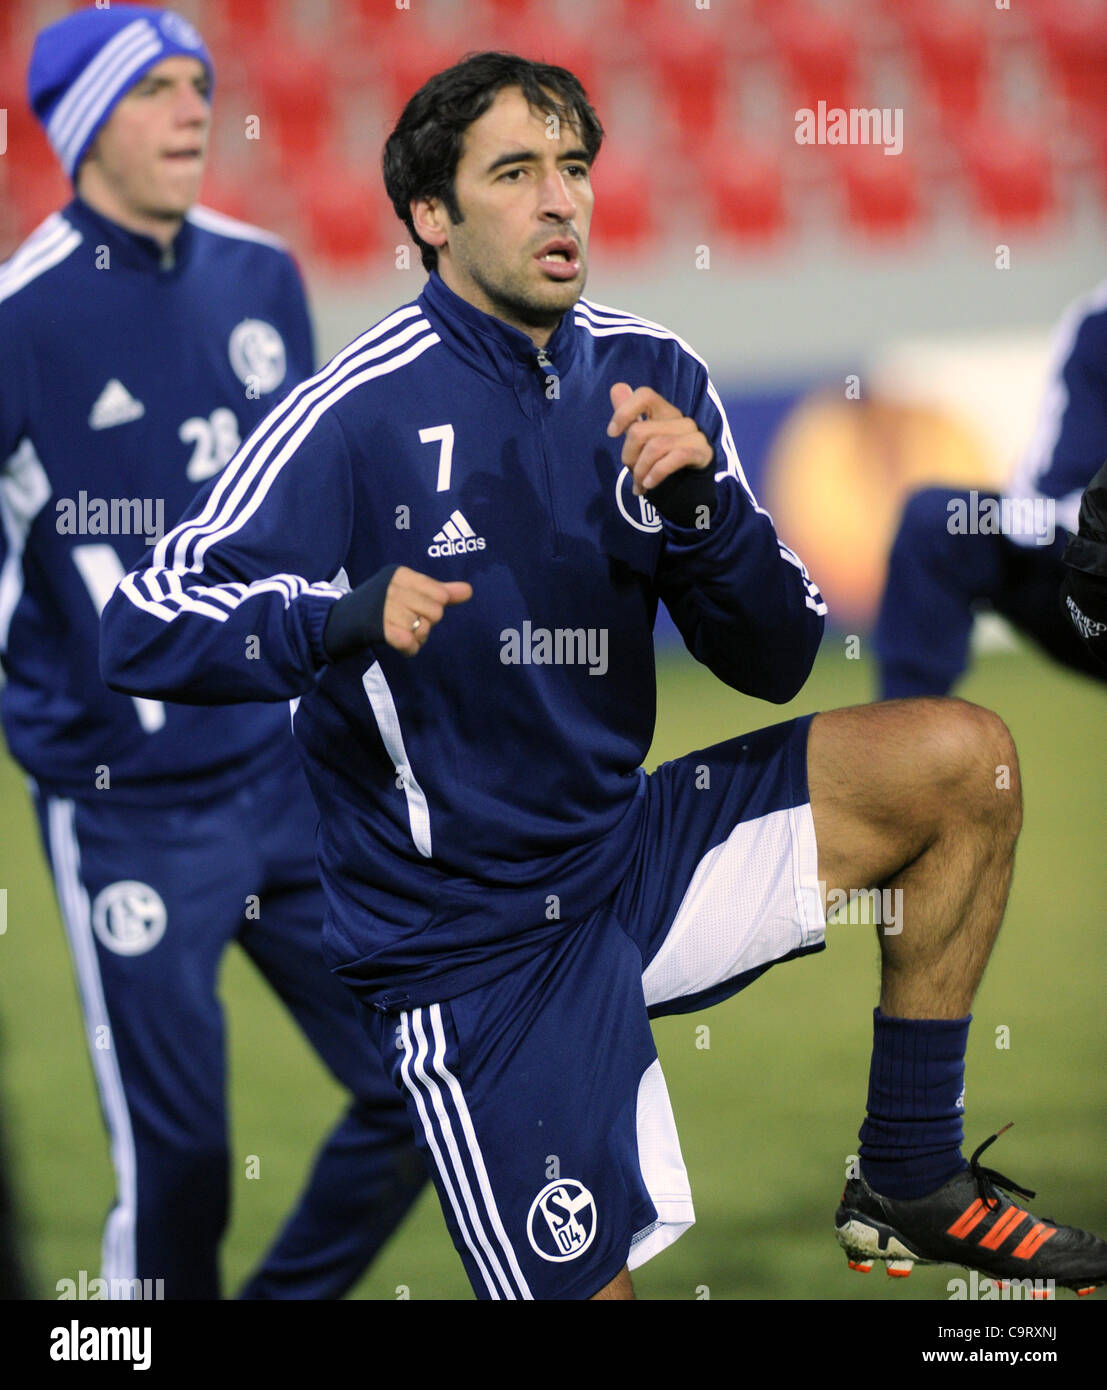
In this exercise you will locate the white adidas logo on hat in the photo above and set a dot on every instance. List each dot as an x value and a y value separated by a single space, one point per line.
455 538
114 406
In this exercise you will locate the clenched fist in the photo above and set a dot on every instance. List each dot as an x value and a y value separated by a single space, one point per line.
397 605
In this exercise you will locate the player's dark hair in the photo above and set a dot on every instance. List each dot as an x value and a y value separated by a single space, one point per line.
421 155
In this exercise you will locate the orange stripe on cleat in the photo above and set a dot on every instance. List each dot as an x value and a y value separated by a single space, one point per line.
861 1266
1083 1293
898 1269
970 1217
1034 1239
1012 1217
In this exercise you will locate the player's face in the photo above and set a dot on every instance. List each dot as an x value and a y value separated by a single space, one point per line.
524 192
144 168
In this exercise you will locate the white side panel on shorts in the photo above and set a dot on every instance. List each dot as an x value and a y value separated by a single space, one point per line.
752 900
663 1169
118 1253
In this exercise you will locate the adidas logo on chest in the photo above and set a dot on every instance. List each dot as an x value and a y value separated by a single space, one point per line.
456 538
114 406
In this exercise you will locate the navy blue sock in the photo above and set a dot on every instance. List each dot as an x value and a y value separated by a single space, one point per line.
911 1138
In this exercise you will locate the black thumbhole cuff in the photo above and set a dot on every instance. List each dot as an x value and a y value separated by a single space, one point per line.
357 619
679 497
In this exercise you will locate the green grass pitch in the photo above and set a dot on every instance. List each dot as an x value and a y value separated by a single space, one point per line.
768 1111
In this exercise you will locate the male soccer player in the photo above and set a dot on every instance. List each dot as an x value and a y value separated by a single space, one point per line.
140 338
510 895
955 552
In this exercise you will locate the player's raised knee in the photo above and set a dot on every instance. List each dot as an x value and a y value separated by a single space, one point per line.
974 755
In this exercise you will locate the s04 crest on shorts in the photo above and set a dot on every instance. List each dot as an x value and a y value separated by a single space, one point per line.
561 1223
129 917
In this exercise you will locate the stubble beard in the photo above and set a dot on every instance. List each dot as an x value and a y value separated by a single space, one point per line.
518 303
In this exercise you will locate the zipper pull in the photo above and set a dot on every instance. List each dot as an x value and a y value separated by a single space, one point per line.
543 361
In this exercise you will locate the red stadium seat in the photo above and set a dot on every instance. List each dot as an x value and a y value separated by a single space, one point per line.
543 40
818 54
950 47
250 20
1010 173
378 20
624 219
405 58
745 188
343 211
296 101
1074 36
690 75
512 11
881 191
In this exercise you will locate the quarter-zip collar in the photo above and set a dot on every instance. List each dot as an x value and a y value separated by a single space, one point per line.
132 248
489 345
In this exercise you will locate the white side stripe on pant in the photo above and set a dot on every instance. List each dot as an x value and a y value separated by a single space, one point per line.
119 1262
446 1104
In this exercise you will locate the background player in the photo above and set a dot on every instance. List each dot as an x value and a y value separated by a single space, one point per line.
140 338
1085 587
938 576
531 894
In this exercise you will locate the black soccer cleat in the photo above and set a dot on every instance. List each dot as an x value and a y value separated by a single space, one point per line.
968 1222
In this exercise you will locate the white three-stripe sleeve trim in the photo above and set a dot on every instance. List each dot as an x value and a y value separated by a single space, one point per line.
602 322
388 722
600 327
236 477
52 249
812 597
432 1142
281 446
119 1260
216 601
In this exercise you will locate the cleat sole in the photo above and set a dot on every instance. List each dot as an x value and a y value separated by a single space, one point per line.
1083 1293
899 1269
863 1266
865 1240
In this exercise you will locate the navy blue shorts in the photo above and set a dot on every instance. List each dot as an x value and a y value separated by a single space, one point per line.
539 1099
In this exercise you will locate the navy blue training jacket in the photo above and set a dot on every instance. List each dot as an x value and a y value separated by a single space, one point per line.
128 377
462 791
